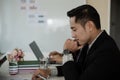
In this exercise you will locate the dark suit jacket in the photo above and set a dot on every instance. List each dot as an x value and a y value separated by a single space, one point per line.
101 63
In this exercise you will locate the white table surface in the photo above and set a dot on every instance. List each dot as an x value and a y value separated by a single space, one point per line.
4 74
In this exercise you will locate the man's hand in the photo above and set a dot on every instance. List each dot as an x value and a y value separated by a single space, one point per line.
43 72
71 45
55 56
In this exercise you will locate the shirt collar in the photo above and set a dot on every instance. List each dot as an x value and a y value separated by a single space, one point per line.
94 40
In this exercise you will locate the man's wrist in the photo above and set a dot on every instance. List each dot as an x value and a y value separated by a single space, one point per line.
66 51
49 71
67 56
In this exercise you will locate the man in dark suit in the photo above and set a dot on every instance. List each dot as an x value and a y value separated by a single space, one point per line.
98 57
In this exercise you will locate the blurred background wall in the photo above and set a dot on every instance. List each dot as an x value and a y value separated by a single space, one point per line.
24 21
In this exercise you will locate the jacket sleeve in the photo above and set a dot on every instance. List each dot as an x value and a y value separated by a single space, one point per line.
70 71
60 72
59 68
100 69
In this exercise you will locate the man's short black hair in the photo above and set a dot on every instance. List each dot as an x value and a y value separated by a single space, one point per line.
85 13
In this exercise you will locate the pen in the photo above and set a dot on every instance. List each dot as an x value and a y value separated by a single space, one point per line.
42 77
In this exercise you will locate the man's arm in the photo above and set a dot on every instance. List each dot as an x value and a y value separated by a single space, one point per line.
59 69
2 60
70 71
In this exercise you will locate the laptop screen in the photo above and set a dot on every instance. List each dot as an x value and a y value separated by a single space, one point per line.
38 53
36 50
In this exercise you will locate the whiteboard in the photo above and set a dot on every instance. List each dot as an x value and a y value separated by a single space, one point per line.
43 21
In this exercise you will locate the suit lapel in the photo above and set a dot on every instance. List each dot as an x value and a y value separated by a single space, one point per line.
93 48
97 43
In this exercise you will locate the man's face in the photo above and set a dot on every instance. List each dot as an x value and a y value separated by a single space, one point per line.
79 33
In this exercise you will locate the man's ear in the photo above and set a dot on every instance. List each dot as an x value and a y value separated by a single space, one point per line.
89 26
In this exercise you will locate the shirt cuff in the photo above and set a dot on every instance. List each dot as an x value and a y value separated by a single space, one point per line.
54 71
67 57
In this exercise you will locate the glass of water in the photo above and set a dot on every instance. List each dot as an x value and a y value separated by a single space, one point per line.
44 63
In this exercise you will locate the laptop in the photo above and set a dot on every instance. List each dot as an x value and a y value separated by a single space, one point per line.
38 52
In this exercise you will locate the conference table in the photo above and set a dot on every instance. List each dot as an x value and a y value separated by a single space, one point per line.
26 75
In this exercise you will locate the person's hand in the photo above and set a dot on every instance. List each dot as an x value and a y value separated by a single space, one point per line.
43 72
55 56
71 45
